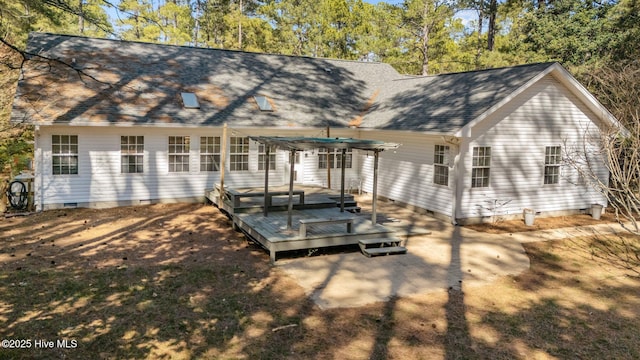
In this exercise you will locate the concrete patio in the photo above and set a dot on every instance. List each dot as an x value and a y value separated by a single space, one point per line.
446 258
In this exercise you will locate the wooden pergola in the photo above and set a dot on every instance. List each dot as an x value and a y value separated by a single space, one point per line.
294 144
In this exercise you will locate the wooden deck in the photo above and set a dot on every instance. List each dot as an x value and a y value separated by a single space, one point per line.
271 231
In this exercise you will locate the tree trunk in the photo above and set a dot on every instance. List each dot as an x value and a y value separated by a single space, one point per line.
493 10
240 27
196 27
425 40
80 17
480 23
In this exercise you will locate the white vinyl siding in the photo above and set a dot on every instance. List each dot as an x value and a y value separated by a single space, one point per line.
546 113
99 181
406 174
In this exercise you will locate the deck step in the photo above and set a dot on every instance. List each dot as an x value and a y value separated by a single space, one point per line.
348 203
369 252
378 241
381 246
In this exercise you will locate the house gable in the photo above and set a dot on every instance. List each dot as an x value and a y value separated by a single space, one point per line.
563 77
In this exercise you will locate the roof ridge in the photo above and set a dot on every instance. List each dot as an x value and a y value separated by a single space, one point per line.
206 48
414 77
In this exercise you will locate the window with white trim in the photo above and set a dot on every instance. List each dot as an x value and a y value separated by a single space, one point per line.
323 157
64 152
262 157
480 166
238 153
552 162
441 165
179 147
131 154
333 158
210 153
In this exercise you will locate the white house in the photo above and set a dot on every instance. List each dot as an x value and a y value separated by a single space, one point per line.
120 123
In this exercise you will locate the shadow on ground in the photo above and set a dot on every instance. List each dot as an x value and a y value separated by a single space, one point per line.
173 281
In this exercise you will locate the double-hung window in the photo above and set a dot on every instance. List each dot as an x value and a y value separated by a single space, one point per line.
348 159
552 162
480 166
64 152
238 153
441 165
131 154
209 153
262 157
179 147
333 159
325 159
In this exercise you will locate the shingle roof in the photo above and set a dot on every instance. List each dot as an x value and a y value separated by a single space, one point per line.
140 83
445 103
135 83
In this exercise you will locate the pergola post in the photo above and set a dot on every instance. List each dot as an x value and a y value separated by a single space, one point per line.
292 159
374 200
342 165
328 161
223 158
266 180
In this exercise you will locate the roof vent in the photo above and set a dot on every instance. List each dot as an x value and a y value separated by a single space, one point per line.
190 101
328 70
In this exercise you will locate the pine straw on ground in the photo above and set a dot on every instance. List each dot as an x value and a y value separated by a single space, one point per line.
173 281
541 223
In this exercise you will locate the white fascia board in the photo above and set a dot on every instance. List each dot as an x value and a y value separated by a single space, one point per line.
430 133
171 125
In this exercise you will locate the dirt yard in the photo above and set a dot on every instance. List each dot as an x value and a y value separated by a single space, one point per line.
174 281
